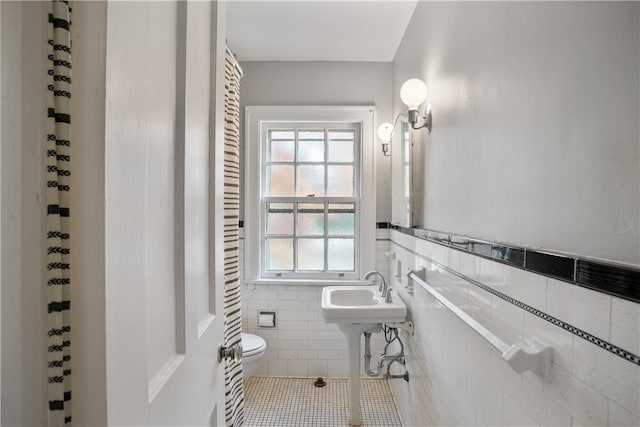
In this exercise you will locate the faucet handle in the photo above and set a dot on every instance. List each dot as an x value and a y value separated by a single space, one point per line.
387 297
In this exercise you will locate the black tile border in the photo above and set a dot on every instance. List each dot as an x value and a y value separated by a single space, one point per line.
551 265
605 345
617 280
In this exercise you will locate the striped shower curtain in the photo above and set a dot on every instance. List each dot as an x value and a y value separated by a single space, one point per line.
58 176
234 390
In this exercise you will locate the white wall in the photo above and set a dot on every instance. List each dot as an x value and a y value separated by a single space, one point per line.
23 137
535 135
535 142
323 83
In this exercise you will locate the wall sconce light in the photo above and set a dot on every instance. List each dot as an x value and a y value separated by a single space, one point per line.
413 93
385 131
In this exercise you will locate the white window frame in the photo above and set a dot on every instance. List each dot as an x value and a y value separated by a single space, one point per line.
257 120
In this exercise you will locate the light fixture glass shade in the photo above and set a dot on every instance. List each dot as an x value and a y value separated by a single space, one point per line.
413 93
384 131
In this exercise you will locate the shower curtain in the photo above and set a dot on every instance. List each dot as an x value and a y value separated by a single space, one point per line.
58 175
234 390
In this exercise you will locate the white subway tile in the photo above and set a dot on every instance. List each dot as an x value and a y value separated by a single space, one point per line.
618 416
625 324
308 355
542 409
297 368
284 334
558 339
382 233
309 315
580 307
308 335
328 335
508 379
312 305
382 245
440 254
483 389
428 249
508 320
576 423
299 325
257 304
576 397
310 294
277 368
479 304
270 353
527 287
287 354
268 334
493 274
276 304
317 325
613 376
317 368
315 345
469 265
286 315
277 345
327 354
514 415
287 295
487 415
289 345
338 369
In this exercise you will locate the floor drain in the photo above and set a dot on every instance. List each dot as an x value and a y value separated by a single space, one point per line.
320 382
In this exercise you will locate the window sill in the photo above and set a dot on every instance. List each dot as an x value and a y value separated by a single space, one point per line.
309 282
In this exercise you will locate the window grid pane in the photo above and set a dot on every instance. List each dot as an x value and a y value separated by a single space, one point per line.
341 146
280 219
303 235
279 254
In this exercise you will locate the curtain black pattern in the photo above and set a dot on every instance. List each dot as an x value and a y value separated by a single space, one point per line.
58 175
234 390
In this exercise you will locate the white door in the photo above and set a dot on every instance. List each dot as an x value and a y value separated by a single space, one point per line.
164 81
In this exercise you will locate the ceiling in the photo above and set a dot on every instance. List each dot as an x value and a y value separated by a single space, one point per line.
317 30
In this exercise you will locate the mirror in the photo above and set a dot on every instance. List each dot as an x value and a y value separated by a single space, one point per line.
401 182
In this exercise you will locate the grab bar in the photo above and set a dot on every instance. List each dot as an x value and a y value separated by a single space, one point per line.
536 358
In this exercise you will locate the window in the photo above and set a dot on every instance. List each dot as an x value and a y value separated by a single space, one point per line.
309 182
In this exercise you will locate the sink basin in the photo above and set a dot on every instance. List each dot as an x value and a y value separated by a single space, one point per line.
357 309
353 297
360 304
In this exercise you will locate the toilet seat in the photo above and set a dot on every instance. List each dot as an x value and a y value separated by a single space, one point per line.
252 344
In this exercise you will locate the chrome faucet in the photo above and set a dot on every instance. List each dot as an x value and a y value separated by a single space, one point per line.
383 288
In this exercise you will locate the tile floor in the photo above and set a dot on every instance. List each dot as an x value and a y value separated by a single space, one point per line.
280 402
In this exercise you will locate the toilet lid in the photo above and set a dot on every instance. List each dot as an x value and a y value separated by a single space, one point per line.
252 344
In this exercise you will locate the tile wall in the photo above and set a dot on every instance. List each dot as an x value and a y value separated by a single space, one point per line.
456 379
302 344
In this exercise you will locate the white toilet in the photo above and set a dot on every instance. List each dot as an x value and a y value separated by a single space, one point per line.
253 348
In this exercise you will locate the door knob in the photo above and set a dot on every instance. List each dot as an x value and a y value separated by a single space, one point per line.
234 352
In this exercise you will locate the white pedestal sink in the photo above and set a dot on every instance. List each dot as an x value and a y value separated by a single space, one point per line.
357 309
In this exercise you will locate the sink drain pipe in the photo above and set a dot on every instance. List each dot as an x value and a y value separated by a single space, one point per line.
390 335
